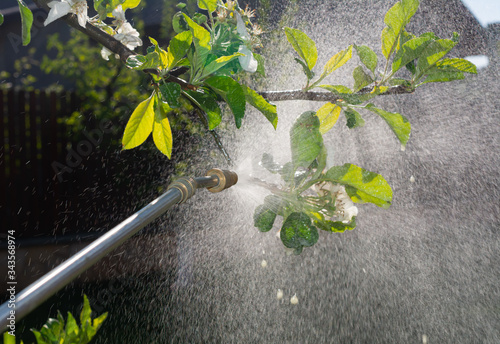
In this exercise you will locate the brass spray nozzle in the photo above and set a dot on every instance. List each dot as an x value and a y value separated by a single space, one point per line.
226 179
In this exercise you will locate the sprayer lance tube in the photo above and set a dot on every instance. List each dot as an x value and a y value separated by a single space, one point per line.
181 190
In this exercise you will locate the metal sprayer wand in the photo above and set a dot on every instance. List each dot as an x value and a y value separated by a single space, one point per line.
178 192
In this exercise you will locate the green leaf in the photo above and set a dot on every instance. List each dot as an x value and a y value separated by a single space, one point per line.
303 45
306 70
179 23
260 67
337 89
305 140
140 62
217 64
258 102
396 19
328 115
26 20
361 78
432 53
436 75
457 64
297 231
232 92
362 185
410 51
201 39
209 105
139 125
263 218
210 5
367 57
162 134
178 48
336 226
353 118
86 311
1 18
397 122
171 92
71 325
97 322
337 61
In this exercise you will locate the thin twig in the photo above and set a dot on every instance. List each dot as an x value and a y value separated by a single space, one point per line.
323 96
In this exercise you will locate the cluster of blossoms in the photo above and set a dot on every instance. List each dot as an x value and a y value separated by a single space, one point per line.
345 209
231 9
123 32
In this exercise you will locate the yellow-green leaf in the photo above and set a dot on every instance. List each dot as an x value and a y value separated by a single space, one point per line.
462 65
361 185
201 38
337 61
130 4
303 45
139 125
258 102
328 115
210 5
162 134
397 122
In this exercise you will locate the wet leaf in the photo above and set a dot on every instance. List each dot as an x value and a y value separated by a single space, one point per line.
303 45
162 133
171 92
328 115
410 51
263 218
337 61
139 127
232 92
432 53
209 105
353 118
361 185
305 140
398 123
261 104
396 19
361 78
201 39
1 18
457 64
336 226
217 64
260 67
367 57
297 231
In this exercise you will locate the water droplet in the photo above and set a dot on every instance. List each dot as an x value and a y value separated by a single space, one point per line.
412 179
294 300
279 294
263 263
424 339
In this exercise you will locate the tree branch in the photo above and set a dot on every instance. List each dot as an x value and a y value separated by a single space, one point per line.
323 96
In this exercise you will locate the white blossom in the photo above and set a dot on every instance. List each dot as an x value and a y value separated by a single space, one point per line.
345 209
247 61
125 33
59 9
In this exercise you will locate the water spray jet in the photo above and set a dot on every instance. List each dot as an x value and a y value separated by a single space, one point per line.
178 192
